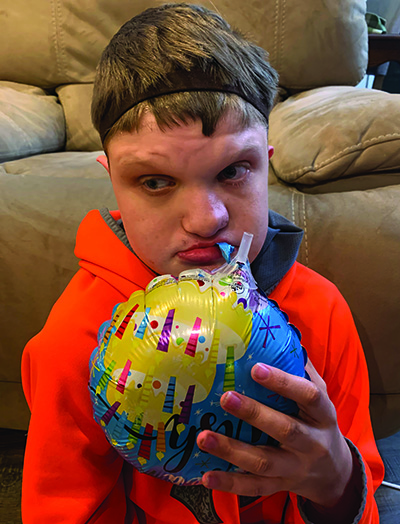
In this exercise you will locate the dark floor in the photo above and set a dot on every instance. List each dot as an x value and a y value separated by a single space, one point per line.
388 499
12 444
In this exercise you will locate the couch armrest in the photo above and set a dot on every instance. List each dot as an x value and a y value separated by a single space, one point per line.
31 122
333 133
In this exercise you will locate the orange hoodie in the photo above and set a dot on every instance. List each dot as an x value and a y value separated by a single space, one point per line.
73 475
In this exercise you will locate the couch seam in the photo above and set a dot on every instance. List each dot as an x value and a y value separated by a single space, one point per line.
349 149
283 29
276 53
55 34
292 204
61 37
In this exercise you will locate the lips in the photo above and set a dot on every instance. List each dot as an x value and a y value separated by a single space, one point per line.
199 255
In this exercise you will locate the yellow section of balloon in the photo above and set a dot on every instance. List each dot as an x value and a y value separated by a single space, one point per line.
208 311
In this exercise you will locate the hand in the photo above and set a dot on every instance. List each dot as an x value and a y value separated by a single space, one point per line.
313 460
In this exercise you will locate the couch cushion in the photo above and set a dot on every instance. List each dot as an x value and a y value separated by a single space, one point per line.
42 201
31 122
76 100
335 132
313 43
80 165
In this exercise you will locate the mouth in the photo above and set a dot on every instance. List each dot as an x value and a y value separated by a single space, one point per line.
202 255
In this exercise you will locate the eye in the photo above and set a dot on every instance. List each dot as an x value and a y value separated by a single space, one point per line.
154 184
235 173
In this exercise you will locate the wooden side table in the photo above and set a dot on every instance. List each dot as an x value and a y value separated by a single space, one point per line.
382 49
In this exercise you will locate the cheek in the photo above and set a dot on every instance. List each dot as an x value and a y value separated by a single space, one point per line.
255 219
255 204
148 237
154 224
138 217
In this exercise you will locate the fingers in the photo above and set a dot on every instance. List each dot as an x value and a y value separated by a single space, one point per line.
315 377
263 468
309 442
316 409
310 396
258 460
247 485
289 431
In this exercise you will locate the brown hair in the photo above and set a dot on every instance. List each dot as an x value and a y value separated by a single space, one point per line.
179 38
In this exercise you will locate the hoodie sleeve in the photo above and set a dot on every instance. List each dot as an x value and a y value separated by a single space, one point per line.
346 377
71 473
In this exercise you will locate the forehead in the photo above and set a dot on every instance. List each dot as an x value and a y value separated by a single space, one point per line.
185 141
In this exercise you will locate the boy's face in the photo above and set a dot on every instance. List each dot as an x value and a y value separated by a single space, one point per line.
180 192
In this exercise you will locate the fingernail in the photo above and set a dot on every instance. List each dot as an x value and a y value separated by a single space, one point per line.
231 400
211 482
261 371
208 441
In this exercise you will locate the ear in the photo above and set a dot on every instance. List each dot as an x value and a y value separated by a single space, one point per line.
270 151
102 159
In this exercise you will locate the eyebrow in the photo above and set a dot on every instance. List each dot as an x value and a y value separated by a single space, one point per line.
126 162
251 147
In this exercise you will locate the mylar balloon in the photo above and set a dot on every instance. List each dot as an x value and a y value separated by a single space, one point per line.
170 352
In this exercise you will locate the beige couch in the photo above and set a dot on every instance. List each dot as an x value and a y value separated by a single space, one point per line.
336 170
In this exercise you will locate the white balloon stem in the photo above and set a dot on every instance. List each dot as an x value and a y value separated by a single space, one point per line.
244 247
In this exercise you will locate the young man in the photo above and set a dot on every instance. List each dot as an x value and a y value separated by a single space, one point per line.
182 103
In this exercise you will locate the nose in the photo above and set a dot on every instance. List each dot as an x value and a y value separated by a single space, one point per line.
205 213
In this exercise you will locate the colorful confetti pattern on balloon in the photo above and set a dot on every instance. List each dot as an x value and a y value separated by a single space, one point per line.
170 352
